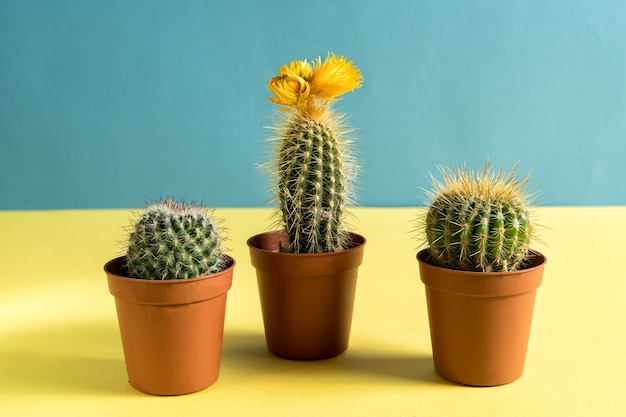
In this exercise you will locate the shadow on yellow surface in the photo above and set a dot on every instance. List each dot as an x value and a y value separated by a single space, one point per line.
81 358
248 352
85 358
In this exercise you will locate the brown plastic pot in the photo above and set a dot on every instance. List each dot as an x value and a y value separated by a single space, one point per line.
306 299
480 322
171 330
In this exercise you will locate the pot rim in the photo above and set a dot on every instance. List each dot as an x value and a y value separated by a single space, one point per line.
109 268
482 284
254 244
536 260
306 264
169 291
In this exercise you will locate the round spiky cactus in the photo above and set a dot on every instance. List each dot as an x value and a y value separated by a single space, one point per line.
173 240
313 165
479 221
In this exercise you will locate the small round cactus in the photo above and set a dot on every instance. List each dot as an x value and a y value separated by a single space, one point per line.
479 221
313 165
173 240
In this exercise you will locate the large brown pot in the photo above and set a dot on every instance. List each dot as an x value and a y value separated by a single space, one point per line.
480 322
172 330
306 299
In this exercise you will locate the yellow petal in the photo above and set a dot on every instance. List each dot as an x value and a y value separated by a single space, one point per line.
290 90
300 68
334 77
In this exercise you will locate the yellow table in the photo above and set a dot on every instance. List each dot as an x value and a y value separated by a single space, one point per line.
60 352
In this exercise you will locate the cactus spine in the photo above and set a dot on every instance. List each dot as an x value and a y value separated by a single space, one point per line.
173 240
313 164
479 221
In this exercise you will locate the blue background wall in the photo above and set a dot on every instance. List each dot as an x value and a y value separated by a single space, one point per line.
111 103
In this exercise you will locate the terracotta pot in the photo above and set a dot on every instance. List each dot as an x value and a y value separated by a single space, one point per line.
480 322
306 299
172 330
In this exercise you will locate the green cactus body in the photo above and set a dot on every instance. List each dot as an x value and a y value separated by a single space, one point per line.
171 240
311 186
312 161
479 222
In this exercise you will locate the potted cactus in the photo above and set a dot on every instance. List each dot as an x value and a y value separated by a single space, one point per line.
307 267
480 274
170 295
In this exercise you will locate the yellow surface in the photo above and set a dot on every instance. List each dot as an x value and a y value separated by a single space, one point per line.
60 352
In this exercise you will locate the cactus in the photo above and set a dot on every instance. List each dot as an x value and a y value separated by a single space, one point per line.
173 240
479 221
313 164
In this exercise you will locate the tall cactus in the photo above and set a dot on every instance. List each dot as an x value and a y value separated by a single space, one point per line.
479 221
173 240
313 163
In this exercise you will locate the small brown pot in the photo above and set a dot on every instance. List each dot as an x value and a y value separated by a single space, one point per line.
172 330
480 322
306 299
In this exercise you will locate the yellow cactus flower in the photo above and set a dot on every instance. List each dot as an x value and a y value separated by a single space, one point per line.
300 68
290 90
308 88
334 77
